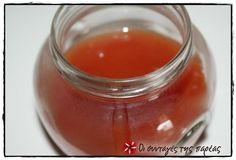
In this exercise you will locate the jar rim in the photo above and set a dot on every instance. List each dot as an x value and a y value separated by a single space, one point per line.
61 62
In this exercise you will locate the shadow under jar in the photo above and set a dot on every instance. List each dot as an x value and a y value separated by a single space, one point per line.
115 74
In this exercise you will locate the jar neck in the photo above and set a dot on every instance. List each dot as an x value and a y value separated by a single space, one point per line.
68 17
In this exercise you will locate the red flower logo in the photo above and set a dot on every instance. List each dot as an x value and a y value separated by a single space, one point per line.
129 147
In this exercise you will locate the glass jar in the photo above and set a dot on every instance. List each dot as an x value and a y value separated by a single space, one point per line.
90 115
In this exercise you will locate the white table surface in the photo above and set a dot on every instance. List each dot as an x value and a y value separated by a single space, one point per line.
26 29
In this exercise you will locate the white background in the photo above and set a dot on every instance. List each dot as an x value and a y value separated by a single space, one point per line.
26 29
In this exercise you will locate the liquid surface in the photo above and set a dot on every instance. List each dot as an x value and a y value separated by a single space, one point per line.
84 123
126 54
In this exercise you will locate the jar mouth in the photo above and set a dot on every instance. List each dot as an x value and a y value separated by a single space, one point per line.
103 86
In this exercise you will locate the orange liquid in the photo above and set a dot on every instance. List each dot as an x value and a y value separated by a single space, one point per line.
102 127
123 55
